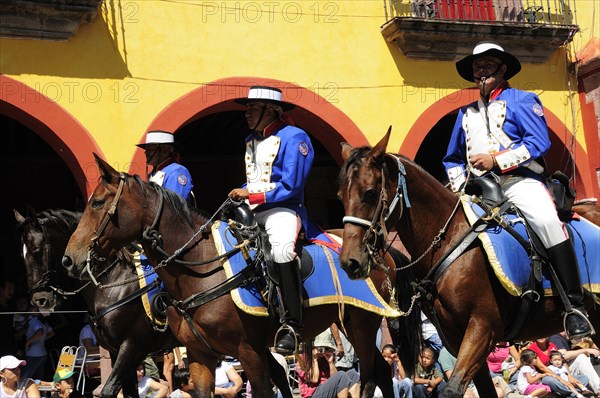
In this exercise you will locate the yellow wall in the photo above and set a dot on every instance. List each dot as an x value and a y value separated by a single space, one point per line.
137 57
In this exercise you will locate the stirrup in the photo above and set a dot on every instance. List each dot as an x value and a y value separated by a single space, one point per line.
288 328
580 314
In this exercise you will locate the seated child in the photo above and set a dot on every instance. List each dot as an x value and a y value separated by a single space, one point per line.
529 379
182 383
402 384
64 383
428 381
558 366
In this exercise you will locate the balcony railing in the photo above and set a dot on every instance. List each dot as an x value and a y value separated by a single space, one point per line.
545 12
449 29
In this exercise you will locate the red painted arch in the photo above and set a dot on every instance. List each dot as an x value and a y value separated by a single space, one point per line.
65 135
313 112
584 178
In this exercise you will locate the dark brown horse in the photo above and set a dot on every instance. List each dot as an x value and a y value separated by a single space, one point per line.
471 305
125 331
123 208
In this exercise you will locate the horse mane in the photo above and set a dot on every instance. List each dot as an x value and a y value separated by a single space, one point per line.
64 220
359 154
180 207
356 157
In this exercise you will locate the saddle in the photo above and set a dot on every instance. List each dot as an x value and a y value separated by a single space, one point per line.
242 214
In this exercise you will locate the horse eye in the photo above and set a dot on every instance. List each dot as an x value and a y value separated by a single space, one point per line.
370 196
97 204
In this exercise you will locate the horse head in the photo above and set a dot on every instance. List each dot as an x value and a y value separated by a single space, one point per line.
108 222
368 183
44 237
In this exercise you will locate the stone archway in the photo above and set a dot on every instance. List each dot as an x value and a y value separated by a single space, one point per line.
584 179
67 137
318 115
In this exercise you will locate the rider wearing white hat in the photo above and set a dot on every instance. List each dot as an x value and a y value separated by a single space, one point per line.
162 155
504 133
278 160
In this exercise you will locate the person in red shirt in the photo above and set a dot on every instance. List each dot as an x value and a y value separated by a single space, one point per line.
542 348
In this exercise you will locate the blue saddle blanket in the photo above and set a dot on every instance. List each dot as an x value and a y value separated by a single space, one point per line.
511 263
328 284
146 276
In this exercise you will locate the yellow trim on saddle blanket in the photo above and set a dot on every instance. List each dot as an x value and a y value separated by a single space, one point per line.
338 299
235 294
139 270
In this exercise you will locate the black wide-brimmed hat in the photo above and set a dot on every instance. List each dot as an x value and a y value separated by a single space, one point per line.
265 94
488 49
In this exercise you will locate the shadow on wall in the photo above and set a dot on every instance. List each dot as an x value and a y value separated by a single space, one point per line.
92 53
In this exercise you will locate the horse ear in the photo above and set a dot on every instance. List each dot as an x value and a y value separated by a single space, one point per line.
30 212
107 173
346 150
381 146
20 219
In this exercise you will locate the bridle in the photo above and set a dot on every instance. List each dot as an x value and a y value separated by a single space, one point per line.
376 234
49 277
46 280
92 254
152 235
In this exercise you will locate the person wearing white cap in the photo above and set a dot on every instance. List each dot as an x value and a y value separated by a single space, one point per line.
11 384
504 134
278 160
167 172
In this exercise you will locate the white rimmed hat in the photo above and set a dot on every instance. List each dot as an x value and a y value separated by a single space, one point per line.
265 94
324 339
10 362
488 49
158 137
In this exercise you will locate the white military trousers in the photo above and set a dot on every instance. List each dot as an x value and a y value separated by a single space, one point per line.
282 225
534 201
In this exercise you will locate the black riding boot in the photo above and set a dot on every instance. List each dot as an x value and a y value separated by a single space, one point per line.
564 261
291 296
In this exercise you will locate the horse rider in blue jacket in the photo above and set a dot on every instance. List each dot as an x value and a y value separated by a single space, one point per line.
505 133
162 155
278 160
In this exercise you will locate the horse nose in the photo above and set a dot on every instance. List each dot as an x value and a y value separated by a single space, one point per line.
67 262
352 268
40 302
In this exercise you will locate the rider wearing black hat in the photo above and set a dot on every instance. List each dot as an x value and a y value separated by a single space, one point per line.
505 134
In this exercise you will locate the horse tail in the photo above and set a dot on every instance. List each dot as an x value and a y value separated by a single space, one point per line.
406 330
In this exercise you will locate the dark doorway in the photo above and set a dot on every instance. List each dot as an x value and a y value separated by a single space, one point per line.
213 149
433 148
33 175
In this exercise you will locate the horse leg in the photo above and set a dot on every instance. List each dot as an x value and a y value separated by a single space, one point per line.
471 355
256 364
374 371
483 382
202 372
279 377
123 373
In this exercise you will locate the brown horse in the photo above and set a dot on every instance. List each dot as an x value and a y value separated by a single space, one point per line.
472 307
588 209
121 210
118 317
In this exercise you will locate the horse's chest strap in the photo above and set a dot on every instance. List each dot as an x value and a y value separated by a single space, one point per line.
246 275
436 272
